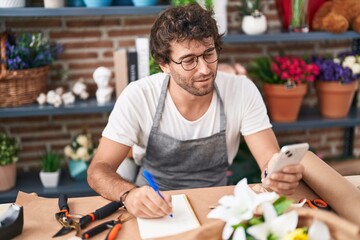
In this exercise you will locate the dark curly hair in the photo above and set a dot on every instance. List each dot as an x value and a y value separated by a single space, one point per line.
186 23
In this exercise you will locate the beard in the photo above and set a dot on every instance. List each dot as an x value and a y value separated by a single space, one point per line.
199 85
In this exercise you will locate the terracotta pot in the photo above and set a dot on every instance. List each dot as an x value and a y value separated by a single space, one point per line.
7 176
335 98
283 103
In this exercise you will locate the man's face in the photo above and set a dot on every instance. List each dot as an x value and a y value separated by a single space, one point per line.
200 61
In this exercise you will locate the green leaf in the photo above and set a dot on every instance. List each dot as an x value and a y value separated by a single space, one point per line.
282 204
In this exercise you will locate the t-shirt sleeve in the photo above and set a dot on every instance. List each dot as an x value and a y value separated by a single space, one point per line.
123 125
255 116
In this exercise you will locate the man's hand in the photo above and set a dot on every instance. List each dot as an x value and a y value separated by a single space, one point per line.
144 202
285 181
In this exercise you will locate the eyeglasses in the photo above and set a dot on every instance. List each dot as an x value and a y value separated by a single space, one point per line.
188 63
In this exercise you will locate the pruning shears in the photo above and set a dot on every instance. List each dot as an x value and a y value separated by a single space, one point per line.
70 223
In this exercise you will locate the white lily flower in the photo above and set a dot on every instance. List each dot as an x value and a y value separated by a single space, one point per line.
278 226
319 231
236 208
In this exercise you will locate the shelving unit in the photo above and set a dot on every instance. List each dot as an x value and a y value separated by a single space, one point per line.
79 11
30 183
309 118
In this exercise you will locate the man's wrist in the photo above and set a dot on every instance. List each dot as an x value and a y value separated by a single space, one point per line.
125 194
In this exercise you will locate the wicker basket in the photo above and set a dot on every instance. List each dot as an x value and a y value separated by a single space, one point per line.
19 87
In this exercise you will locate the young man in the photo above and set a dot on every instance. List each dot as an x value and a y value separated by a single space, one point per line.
184 124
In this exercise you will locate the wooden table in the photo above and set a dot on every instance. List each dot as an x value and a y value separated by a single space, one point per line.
40 223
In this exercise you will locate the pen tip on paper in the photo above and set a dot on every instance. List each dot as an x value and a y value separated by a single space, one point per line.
171 215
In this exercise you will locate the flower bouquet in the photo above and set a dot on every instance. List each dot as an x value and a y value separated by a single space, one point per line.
263 216
284 81
337 83
79 152
25 67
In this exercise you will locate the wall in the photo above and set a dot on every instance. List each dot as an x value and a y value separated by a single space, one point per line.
89 42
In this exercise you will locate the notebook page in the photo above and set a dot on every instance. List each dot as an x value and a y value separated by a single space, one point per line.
184 219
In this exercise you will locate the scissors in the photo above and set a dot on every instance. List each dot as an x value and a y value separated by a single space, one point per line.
316 203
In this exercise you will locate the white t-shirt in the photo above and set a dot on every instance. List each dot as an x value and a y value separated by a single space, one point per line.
131 120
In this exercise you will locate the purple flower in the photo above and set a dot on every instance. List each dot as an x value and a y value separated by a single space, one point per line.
30 50
331 70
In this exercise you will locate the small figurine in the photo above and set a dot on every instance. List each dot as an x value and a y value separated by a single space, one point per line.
102 77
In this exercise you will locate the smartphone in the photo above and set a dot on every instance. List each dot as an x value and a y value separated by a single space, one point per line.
289 155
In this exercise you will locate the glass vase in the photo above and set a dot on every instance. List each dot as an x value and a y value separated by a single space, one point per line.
299 16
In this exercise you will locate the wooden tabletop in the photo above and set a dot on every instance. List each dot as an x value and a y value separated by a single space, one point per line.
40 223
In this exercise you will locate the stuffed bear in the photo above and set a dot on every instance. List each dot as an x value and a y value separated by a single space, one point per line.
337 16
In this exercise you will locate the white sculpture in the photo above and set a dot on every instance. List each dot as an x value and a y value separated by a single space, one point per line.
102 77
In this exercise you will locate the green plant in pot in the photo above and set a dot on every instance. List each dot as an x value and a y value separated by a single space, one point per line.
9 149
253 20
50 169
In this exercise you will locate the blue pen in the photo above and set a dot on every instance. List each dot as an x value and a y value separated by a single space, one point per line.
151 180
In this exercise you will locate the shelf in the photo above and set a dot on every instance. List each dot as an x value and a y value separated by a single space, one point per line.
288 37
79 107
30 182
311 119
79 11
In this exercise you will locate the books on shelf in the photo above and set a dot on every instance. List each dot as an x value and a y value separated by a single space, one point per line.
143 54
121 70
132 60
131 64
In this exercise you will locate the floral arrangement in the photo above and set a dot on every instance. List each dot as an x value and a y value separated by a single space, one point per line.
30 50
344 68
283 70
275 221
81 148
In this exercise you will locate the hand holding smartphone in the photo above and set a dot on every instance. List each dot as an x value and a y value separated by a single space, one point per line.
289 155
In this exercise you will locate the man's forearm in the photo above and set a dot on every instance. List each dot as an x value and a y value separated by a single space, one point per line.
105 181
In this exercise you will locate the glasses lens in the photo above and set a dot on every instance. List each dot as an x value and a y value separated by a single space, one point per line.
210 57
189 63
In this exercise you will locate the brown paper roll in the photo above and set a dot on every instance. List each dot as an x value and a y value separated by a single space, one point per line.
332 187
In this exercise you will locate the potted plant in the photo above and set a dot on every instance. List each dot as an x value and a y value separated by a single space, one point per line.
253 20
25 66
284 81
50 169
9 149
337 83
79 153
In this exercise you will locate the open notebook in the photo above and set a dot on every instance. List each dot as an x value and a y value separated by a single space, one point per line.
184 219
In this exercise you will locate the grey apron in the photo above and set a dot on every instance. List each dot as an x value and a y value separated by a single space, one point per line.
179 164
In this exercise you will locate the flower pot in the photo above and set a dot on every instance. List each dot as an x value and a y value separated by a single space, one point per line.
335 98
122 3
283 103
75 3
144 3
78 169
50 179
54 3
97 3
12 3
254 25
7 176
